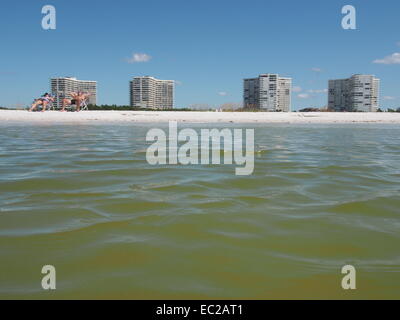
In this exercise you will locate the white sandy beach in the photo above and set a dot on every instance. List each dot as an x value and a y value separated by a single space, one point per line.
49 117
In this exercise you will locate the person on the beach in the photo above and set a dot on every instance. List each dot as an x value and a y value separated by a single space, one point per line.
44 101
83 96
74 100
77 99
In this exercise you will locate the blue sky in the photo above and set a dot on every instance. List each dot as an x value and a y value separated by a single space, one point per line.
208 46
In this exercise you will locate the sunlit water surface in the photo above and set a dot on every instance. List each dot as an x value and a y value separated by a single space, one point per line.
84 199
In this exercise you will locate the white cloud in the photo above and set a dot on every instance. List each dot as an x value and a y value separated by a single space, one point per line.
392 59
297 89
139 57
398 43
389 98
318 91
316 69
178 83
222 93
303 96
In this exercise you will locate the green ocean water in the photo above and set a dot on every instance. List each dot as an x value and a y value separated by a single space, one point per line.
84 199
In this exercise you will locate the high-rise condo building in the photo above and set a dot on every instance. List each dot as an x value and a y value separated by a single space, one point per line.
152 93
62 87
268 92
358 93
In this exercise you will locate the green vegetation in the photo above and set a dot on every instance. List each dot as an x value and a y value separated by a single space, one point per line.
393 110
310 110
129 108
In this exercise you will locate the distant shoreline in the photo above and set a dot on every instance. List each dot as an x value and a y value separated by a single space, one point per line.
195 117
